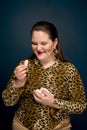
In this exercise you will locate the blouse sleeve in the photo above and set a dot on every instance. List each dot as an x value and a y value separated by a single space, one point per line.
77 96
11 95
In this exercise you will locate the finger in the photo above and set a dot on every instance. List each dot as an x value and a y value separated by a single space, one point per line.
21 70
38 93
23 75
45 91
36 98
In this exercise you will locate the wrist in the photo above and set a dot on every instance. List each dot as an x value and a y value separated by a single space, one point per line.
56 104
17 83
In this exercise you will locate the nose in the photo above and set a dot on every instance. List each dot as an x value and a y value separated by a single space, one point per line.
39 47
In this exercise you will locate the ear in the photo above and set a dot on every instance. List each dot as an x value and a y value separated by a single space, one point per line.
55 42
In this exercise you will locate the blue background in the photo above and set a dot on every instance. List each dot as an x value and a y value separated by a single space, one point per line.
16 20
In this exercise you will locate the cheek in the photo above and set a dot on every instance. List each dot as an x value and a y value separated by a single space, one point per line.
50 48
33 47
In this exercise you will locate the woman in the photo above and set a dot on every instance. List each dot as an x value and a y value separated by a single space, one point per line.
47 87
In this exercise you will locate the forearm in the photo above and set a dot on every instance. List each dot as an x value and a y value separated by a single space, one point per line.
11 94
71 106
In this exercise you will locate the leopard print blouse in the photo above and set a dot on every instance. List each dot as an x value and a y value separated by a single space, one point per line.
62 80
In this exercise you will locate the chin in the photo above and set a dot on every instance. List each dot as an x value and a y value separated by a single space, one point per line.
40 58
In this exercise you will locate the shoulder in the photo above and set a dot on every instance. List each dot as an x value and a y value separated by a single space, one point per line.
70 68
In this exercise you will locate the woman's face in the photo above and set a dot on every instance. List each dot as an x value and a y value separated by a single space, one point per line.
43 46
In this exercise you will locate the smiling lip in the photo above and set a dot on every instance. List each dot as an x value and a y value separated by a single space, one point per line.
40 53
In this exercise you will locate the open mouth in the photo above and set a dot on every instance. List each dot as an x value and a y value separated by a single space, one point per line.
39 53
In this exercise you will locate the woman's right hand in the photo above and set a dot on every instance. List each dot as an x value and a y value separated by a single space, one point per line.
20 73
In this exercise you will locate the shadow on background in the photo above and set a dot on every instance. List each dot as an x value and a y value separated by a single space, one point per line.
17 18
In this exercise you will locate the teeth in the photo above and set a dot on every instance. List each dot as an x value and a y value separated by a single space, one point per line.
26 63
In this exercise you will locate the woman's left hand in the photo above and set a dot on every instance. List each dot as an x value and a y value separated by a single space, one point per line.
43 96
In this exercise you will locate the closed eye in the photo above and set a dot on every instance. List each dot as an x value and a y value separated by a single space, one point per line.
44 43
34 43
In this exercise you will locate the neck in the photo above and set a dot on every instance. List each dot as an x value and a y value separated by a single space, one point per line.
47 63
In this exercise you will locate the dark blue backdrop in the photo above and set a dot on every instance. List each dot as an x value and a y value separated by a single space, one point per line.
17 18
